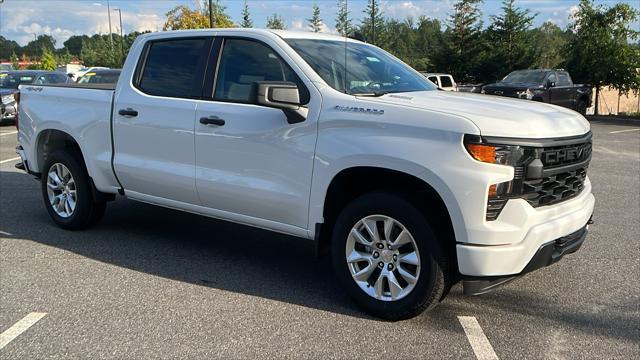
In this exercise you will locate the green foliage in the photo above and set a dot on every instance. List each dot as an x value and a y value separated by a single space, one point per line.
182 17
14 61
315 22
509 44
343 22
550 42
48 61
276 22
246 17
8 47
464 41
373 24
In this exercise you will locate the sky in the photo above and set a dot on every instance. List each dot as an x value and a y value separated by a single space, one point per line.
22 20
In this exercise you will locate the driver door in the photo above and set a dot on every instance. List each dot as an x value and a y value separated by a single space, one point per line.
252 164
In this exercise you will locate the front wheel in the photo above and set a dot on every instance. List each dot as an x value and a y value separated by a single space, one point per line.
387 257
67 192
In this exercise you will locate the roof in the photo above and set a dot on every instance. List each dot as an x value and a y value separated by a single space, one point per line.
284 34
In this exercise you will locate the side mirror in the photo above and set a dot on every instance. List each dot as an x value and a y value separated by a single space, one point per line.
550 84
281 95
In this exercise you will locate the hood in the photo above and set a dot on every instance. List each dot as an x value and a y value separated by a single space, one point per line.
497 116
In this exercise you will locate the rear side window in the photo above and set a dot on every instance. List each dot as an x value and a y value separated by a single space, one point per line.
446 82
171 68
434 79
563 79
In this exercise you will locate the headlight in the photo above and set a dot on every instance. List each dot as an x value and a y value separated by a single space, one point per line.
7 99
508 155
482 91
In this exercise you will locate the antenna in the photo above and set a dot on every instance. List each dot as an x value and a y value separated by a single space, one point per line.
346 34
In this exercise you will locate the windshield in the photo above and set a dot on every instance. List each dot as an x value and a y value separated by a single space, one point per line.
12 81
370 71
528 77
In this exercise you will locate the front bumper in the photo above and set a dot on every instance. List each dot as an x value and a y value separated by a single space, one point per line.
8 112
519 232
546 255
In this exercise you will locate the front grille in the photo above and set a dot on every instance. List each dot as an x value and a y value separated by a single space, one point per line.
555 188
567 154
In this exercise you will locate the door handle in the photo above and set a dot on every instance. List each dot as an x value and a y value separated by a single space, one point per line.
127 112
212 120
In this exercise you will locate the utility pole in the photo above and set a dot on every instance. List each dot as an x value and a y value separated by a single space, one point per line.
121 37
109 15
211 14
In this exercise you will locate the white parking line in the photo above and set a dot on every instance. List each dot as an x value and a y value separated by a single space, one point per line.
8 133
20 327
9 160
622 131
479 342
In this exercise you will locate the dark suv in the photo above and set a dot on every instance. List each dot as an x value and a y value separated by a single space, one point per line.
545 85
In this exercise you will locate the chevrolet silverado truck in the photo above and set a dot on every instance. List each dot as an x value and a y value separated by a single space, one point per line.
544 85
408 189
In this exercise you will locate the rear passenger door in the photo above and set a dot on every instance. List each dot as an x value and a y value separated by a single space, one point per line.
154 119
255 167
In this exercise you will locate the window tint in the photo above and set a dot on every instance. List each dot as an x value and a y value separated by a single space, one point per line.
433 79
552 78
243 63
171 67
446 82
563 79
51 79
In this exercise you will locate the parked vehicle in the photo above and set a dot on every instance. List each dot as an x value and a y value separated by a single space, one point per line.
6 67
75 75
443 81
544 85
9 82
471 88
100 77
408 189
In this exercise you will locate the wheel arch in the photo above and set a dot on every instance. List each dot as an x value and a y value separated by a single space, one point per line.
50 140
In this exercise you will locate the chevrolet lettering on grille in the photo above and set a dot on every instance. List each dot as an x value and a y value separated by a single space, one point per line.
567 155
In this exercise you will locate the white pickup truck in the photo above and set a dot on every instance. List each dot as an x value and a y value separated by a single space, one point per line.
408 188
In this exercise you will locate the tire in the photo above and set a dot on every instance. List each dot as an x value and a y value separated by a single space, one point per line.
430 286
87 210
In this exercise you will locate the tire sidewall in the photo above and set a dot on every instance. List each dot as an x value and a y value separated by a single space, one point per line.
403 211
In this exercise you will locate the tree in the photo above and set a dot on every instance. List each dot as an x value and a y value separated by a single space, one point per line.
372 26
75 43
315 22
8 47
15 61
36 47
550 42
246 17
276 22
182 17
600 52
343 23
508 39
463 39
48 61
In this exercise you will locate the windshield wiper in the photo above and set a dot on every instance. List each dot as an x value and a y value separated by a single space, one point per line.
372 94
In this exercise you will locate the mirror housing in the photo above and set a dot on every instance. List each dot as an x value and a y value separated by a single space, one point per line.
550 84
281 95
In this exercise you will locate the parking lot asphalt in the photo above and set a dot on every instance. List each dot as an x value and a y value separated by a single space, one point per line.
149 282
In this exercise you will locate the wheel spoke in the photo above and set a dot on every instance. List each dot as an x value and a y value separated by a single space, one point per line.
394 286
403 238
359 238
365 273
388 227
72 203
372 229
357 256
55 180
378 287
410 258
408 277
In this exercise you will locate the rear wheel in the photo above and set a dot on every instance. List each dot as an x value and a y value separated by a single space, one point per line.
67 192
387 257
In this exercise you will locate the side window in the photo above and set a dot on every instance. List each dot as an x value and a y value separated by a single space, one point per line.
245 62
171 68
434 79
446 82
563 79
552 78
41 80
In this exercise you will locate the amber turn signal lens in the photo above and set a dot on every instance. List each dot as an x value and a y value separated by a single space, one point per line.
493 190
484 153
